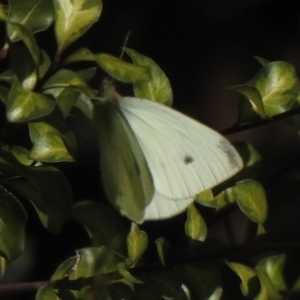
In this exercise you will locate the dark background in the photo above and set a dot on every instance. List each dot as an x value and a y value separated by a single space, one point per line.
204 46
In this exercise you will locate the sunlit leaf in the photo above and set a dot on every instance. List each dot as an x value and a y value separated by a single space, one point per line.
36 15
195 226
121 70
278 85
251 198
73 19
162 246
82 54
273 266
251 105
87 262
24 106
52 142
250 285
137 242
158 88
65 98
68 78
267 290
273 90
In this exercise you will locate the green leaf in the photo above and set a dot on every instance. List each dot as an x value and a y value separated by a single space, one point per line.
162 246
277 85
203 280
82 54
160 285
195 226
22 155
28 38
36 15
23 66
253 164
52 205
87 74
24 106
3 265
273 267
262 60
4 94
208 199
251 198
126 274
52 212
86 263
73 19
158 88
65 99
251 105
250 285
267 290
85 104
121 70
102 224
52 142
67 78
46 293
7 76
137 242
13 219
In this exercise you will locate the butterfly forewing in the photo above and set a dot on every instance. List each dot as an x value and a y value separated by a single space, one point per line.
126 177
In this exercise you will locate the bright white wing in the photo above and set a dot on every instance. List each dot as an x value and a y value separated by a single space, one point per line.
184 156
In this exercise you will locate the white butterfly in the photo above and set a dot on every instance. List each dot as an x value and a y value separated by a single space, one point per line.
155 160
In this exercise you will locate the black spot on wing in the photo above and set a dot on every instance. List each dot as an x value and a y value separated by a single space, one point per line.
188 159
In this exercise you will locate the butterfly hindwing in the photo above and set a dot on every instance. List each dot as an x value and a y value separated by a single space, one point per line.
184 156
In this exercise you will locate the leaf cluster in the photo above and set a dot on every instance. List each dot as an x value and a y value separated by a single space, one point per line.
41 93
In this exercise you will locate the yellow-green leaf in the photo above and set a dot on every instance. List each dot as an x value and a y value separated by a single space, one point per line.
51 143
73 19
13 219
250 285
162 246
122 70
273 267
195 226
24 106
137 242
251 198
158 88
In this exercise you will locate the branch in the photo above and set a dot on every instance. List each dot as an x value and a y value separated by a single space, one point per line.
79 283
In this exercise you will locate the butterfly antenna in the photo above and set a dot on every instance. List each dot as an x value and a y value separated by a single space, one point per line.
125 43
106 83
